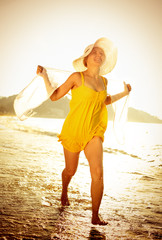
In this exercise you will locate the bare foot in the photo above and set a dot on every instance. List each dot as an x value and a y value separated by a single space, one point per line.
97 221
64 200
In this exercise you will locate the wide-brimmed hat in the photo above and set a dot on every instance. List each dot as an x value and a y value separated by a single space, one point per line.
110 56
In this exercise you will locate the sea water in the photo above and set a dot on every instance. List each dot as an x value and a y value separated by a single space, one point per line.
32 160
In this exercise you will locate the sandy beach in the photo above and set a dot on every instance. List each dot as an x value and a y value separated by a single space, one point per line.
30 187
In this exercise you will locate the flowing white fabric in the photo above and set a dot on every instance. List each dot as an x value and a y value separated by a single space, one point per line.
120 109
34 94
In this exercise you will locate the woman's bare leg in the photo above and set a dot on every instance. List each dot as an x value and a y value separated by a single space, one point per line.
94 154
71 164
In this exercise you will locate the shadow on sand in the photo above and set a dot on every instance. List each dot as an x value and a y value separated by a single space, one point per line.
95 234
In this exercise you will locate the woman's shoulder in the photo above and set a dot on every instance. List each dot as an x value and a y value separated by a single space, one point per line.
75 77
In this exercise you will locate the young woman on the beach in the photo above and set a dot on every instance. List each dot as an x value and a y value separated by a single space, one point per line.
86 122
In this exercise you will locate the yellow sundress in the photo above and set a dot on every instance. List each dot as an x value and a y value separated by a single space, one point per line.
87 118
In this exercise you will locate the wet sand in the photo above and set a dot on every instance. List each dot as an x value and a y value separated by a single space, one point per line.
30 190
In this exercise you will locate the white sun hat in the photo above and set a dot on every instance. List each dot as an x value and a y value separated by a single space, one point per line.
110 56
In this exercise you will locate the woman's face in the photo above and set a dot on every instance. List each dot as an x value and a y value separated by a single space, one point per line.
96 57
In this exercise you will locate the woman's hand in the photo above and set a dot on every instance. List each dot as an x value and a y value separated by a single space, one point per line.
127 88
41 71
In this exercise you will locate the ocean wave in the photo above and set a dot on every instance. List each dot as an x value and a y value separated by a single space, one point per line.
36 131
33 129
41 131
14 124
149 150
120 151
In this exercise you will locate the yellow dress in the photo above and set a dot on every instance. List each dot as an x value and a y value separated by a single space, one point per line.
87 118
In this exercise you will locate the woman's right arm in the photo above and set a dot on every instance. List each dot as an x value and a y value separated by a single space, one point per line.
62 90
65 87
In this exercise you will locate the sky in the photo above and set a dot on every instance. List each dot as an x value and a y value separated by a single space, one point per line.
53 33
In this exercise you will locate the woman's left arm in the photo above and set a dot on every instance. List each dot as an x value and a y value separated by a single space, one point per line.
111 99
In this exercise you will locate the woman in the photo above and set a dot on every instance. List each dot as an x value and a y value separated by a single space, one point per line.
86 122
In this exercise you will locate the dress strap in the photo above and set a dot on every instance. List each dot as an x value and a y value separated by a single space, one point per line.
82 77
104 81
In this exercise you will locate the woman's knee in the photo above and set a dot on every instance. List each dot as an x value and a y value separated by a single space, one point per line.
70 171
71 162
97 174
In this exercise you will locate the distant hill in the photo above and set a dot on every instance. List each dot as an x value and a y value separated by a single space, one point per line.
60 109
